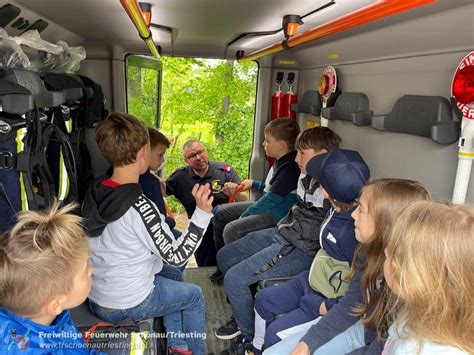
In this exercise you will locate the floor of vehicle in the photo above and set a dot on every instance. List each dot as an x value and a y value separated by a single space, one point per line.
218 311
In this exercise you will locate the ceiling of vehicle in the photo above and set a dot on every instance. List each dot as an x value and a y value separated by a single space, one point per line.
200 27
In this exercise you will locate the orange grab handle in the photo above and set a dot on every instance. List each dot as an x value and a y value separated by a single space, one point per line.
237 190
169 211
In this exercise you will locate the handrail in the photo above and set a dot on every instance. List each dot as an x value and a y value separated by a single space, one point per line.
135 14
376 11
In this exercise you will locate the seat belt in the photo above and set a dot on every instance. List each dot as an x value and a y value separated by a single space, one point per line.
284 251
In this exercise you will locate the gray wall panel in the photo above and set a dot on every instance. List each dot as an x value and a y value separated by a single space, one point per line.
405 156
419 57
396 154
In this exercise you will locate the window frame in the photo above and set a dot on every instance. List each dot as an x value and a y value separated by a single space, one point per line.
145 62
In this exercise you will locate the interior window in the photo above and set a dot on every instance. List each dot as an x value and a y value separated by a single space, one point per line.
144 88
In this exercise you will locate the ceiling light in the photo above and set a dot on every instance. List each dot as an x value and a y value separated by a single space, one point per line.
146 12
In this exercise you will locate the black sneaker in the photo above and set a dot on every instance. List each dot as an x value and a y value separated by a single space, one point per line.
217 277
239 347
228 331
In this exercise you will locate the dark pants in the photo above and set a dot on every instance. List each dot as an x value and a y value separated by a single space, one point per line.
295 300
206 253
239 262
224 214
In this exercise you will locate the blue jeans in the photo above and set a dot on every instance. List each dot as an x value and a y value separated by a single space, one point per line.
343 343
240 260
229 227
181 305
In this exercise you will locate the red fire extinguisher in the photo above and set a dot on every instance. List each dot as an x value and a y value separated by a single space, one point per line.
290 98
278 98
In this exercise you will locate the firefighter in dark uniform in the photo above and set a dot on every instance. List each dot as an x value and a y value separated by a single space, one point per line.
200 170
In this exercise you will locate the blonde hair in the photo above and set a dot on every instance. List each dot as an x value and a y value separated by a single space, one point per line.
284 129
431 252
385 199
39 258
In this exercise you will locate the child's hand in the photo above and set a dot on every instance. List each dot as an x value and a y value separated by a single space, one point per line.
229 188
247 184
322 309
203 197
301 349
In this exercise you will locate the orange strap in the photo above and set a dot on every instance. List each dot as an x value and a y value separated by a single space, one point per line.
237 190
92 329
168 210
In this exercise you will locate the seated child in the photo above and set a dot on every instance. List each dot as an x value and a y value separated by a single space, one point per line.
130 242
249 260
44 272
430 271
349 326
313 292
149 182
234 220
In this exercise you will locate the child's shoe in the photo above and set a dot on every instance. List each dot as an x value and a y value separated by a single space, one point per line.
228 331
239 347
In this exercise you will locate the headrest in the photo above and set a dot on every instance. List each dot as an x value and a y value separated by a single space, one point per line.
14 98
310 103
350 106
32 82
70 86
426 116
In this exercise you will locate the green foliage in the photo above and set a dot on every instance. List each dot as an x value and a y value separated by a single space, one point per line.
209 100
142 88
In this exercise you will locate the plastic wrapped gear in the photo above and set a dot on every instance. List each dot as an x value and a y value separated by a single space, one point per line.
12 56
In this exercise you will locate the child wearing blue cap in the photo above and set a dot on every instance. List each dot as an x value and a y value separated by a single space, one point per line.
310 294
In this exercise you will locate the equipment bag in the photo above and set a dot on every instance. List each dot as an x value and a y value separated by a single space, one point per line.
12 189
83 110
61 162
329 276
95 111
15 101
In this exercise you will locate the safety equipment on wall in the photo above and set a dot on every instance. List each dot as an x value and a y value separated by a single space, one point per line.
26 182
290 98
462 92
328 89
16 114
278 98
281 102
85 108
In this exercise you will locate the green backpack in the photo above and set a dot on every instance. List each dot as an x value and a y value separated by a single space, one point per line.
328 276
